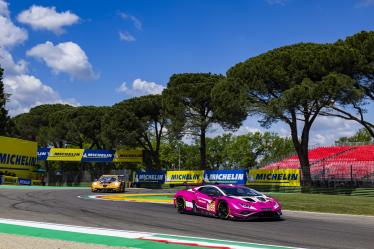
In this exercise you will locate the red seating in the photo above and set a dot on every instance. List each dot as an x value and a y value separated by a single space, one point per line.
338 162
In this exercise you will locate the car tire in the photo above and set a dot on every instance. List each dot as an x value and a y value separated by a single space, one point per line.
194 208
223 210
180 204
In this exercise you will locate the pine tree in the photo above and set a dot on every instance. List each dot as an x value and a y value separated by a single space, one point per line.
4 119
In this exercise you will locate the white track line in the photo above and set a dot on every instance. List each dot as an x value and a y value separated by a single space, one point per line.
174 239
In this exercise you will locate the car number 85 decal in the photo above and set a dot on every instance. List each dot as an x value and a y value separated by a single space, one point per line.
211 206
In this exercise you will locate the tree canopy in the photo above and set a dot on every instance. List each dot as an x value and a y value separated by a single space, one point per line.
363 74
143 120
189 104
291 84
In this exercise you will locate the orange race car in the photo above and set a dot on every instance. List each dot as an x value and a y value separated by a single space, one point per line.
109 183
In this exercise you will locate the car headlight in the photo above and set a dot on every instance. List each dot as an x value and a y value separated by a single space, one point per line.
244 205
276 205
95 183
116 184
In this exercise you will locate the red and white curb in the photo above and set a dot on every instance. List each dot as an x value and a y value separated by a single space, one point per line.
165 238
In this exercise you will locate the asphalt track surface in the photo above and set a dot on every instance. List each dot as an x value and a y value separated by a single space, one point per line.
297 229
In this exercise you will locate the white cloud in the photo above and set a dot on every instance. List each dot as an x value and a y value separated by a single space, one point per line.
141 87
147 87
4 11
326 130
126 36
10 34
27 91
135 21
9 65
66 57
247 129
122 88
39 17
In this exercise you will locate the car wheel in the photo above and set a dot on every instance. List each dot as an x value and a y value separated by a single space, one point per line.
180 203
223 210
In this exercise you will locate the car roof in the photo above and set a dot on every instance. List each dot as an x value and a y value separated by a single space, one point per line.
222 185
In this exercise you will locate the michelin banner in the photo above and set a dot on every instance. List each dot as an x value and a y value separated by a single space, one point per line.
17 155
128 156
184 177
225 176
89 155
63 154
276 177
98 155
150 177
43 154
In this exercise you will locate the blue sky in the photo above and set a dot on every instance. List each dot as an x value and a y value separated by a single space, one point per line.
101 52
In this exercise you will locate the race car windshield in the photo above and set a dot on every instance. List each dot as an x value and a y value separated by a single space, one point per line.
240 191
107 179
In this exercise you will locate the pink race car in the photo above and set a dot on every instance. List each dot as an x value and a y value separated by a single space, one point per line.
227 202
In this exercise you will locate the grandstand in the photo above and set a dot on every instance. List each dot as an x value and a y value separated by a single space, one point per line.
354 163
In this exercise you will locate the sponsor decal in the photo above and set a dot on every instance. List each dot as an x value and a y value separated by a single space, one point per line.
150 177
276 177
184 177
225 176
128 156
98 155
63 154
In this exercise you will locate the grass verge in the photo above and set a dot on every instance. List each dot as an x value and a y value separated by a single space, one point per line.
326 203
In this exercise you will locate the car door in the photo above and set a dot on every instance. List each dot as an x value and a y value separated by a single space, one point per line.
203 198
213 193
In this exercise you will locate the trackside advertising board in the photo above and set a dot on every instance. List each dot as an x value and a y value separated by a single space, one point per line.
98 155
22 181
128 156
89 155
43 154
225 176
276 177
184 177
17 155
63 154
150 177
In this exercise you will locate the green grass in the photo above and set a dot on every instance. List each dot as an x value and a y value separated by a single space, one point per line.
326 203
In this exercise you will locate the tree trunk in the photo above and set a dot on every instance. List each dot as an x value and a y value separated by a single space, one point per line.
305 165
202 149
302 152
156 159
